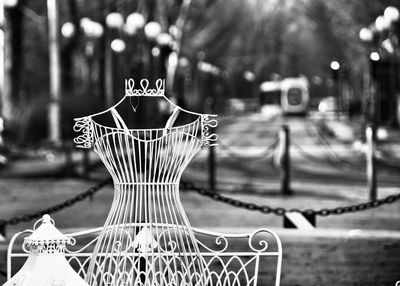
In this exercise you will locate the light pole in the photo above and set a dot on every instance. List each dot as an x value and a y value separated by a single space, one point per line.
54 114
92 32
391 44
114 24
335 66
152 30
375 100
366 36
250 78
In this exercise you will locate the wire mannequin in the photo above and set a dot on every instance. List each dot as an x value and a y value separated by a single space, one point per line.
147 238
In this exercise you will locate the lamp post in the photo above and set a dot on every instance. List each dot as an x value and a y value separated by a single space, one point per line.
375 100
250 78
335 66
392 15
152 30
133 29
366 36
92 31
54 114
114 24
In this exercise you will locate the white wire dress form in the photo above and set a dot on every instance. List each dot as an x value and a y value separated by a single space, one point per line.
147 238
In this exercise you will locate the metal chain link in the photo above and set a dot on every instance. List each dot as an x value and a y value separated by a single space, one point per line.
280 211
70 202
264 153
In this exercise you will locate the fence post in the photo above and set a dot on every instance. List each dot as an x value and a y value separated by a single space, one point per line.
86 162
68 158
284 142
211 168
370 135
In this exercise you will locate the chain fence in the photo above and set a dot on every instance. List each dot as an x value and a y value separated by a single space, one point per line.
190 186
385 160
268 151
56 208
280 211
323 142
265 209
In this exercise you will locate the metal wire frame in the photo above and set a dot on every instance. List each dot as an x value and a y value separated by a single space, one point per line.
146 166
229 259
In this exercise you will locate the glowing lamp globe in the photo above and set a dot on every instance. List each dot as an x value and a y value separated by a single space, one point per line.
115 20
10 3
46 263
374 56
365 35
130 30
174 31
68 30
381 23
118 45
249 76
84 22
152 30
95 30
164 39
335 65
392 14
135 20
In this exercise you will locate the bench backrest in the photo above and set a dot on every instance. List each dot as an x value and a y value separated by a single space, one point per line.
249 259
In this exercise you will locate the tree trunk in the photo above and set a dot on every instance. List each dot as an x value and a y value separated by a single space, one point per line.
13 24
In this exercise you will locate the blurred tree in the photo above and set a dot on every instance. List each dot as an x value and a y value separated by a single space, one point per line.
13 57
266 37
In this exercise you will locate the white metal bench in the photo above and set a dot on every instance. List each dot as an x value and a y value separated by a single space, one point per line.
232 259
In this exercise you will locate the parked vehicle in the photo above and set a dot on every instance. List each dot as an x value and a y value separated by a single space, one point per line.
290 94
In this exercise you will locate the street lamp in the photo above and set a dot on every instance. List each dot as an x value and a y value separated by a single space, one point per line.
391 44
375 101
374 56
68 30
366 35
114 23
134 22
115 20
382 23
118 45
152 30
392 14
10 3
92 31
164 39
335 66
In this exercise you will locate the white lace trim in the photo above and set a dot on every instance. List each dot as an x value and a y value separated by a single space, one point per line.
209 123
144 89
47 248
85 126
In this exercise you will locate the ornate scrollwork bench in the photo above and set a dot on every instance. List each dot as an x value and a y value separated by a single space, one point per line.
232 259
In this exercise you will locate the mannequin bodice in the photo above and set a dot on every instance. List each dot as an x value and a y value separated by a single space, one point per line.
145 156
